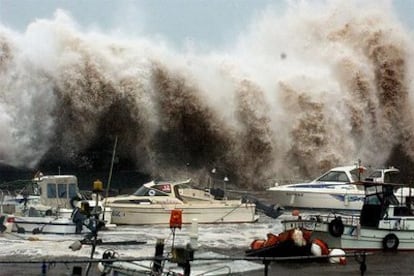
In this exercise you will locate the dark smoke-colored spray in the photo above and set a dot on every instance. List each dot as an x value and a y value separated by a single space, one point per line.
326 90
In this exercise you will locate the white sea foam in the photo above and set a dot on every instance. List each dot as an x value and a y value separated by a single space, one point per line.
324 84
213 241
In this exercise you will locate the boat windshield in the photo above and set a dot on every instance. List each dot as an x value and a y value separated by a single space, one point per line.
334 176
392 177
156 190
61 190
357 174
385 176
380 195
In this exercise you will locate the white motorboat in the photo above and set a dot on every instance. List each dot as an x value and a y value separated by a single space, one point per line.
153 202
383 223
334 190
51 205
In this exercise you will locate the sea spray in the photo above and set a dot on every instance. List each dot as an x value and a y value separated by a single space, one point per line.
320 86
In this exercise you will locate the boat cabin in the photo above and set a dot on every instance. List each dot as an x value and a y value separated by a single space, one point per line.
380 200
346 174
388 175
381 208
183 191
57 190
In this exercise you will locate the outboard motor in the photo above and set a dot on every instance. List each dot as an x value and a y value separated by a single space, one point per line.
272 210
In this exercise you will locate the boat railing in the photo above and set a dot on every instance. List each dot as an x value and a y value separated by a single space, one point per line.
306 221
347 219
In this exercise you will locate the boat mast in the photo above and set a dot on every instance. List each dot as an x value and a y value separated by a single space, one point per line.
359 170
110 174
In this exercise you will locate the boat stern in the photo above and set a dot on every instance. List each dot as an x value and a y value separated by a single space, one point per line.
6 223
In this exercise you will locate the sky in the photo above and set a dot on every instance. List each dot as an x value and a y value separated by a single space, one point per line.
178 21
205 23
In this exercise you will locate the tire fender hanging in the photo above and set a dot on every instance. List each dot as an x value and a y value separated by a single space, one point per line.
390 242
336 227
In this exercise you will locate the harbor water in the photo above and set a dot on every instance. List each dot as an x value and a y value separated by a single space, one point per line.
218 240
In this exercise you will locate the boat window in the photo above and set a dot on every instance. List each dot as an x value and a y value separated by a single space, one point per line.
334 176
144 191
372 200
392 177
375 174
51 190
73 191
62 191
389 195
392 199
372 189
380 194
166 188
357 175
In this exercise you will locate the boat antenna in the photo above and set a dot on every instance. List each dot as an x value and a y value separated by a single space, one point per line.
225 180
359 170
110 174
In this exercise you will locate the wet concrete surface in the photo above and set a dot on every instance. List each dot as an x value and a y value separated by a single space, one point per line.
379 263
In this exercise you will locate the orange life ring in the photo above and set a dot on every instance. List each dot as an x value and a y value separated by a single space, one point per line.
322 245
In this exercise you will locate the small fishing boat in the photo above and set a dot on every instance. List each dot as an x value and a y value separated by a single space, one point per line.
53 204
384 223
153 202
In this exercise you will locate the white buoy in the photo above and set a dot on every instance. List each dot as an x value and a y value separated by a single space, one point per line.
194 234
316 250
337 259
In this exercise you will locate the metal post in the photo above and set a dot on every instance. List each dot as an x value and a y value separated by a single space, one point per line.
226 179
266 268
213 171
159 251
110 176
44 268
363 266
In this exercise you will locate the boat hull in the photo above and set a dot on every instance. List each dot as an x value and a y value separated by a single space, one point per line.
61 224
354 237
46 225
315 199
204 213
